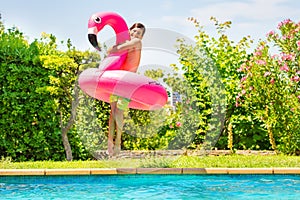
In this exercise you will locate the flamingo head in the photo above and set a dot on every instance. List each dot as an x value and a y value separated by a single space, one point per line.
95 25
97 22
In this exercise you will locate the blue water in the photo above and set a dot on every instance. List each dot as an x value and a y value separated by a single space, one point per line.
148 187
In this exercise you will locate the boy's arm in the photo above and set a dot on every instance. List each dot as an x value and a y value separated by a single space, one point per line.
128 45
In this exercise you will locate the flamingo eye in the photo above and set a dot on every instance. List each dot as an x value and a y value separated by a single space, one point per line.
97 20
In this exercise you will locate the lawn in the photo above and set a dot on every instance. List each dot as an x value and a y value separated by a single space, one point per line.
223 161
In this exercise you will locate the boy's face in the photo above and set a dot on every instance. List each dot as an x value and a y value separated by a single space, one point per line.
136 33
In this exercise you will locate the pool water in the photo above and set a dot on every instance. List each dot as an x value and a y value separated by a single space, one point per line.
151 187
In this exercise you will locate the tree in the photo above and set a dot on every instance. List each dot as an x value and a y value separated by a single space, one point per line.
210 67
63 87
1 24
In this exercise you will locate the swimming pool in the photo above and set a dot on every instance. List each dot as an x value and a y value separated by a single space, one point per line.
141 186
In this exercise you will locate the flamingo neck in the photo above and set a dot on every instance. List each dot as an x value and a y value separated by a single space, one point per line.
120 27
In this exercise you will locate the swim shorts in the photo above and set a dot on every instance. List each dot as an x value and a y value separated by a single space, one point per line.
122 103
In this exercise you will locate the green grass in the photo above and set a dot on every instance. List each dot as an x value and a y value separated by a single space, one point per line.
117 163
238 161
227 161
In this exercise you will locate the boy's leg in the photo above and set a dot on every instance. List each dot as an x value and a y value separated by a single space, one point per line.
111 129
119 114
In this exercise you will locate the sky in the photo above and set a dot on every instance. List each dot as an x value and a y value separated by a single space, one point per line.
68 19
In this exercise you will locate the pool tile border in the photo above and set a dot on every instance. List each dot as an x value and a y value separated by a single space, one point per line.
159 170
205 171
15 172
286 170
103 171
250 171
120 171
84 171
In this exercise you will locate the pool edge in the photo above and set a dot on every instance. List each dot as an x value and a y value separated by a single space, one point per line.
119 171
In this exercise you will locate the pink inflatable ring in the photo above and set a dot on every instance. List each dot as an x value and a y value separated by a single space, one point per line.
144 93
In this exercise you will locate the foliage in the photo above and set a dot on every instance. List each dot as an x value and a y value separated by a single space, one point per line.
270 86
28 121
266 85
92 123
210 67
172 127
145 130
1 25
37 90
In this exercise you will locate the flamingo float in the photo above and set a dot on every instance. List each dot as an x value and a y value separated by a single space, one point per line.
144 93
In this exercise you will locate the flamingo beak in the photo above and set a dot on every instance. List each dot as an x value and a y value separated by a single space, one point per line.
93 41
92 36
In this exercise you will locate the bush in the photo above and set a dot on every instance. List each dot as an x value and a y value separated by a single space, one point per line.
270 87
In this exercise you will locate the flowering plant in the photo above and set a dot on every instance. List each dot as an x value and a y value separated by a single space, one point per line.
270 86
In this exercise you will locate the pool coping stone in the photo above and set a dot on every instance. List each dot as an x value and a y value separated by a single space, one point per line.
120 171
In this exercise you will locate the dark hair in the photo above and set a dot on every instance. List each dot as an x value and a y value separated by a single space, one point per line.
138 25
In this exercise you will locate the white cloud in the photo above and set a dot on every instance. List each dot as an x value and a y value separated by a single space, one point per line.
252 17
248 10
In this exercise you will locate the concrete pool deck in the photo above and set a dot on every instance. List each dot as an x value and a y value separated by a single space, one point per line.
115 171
